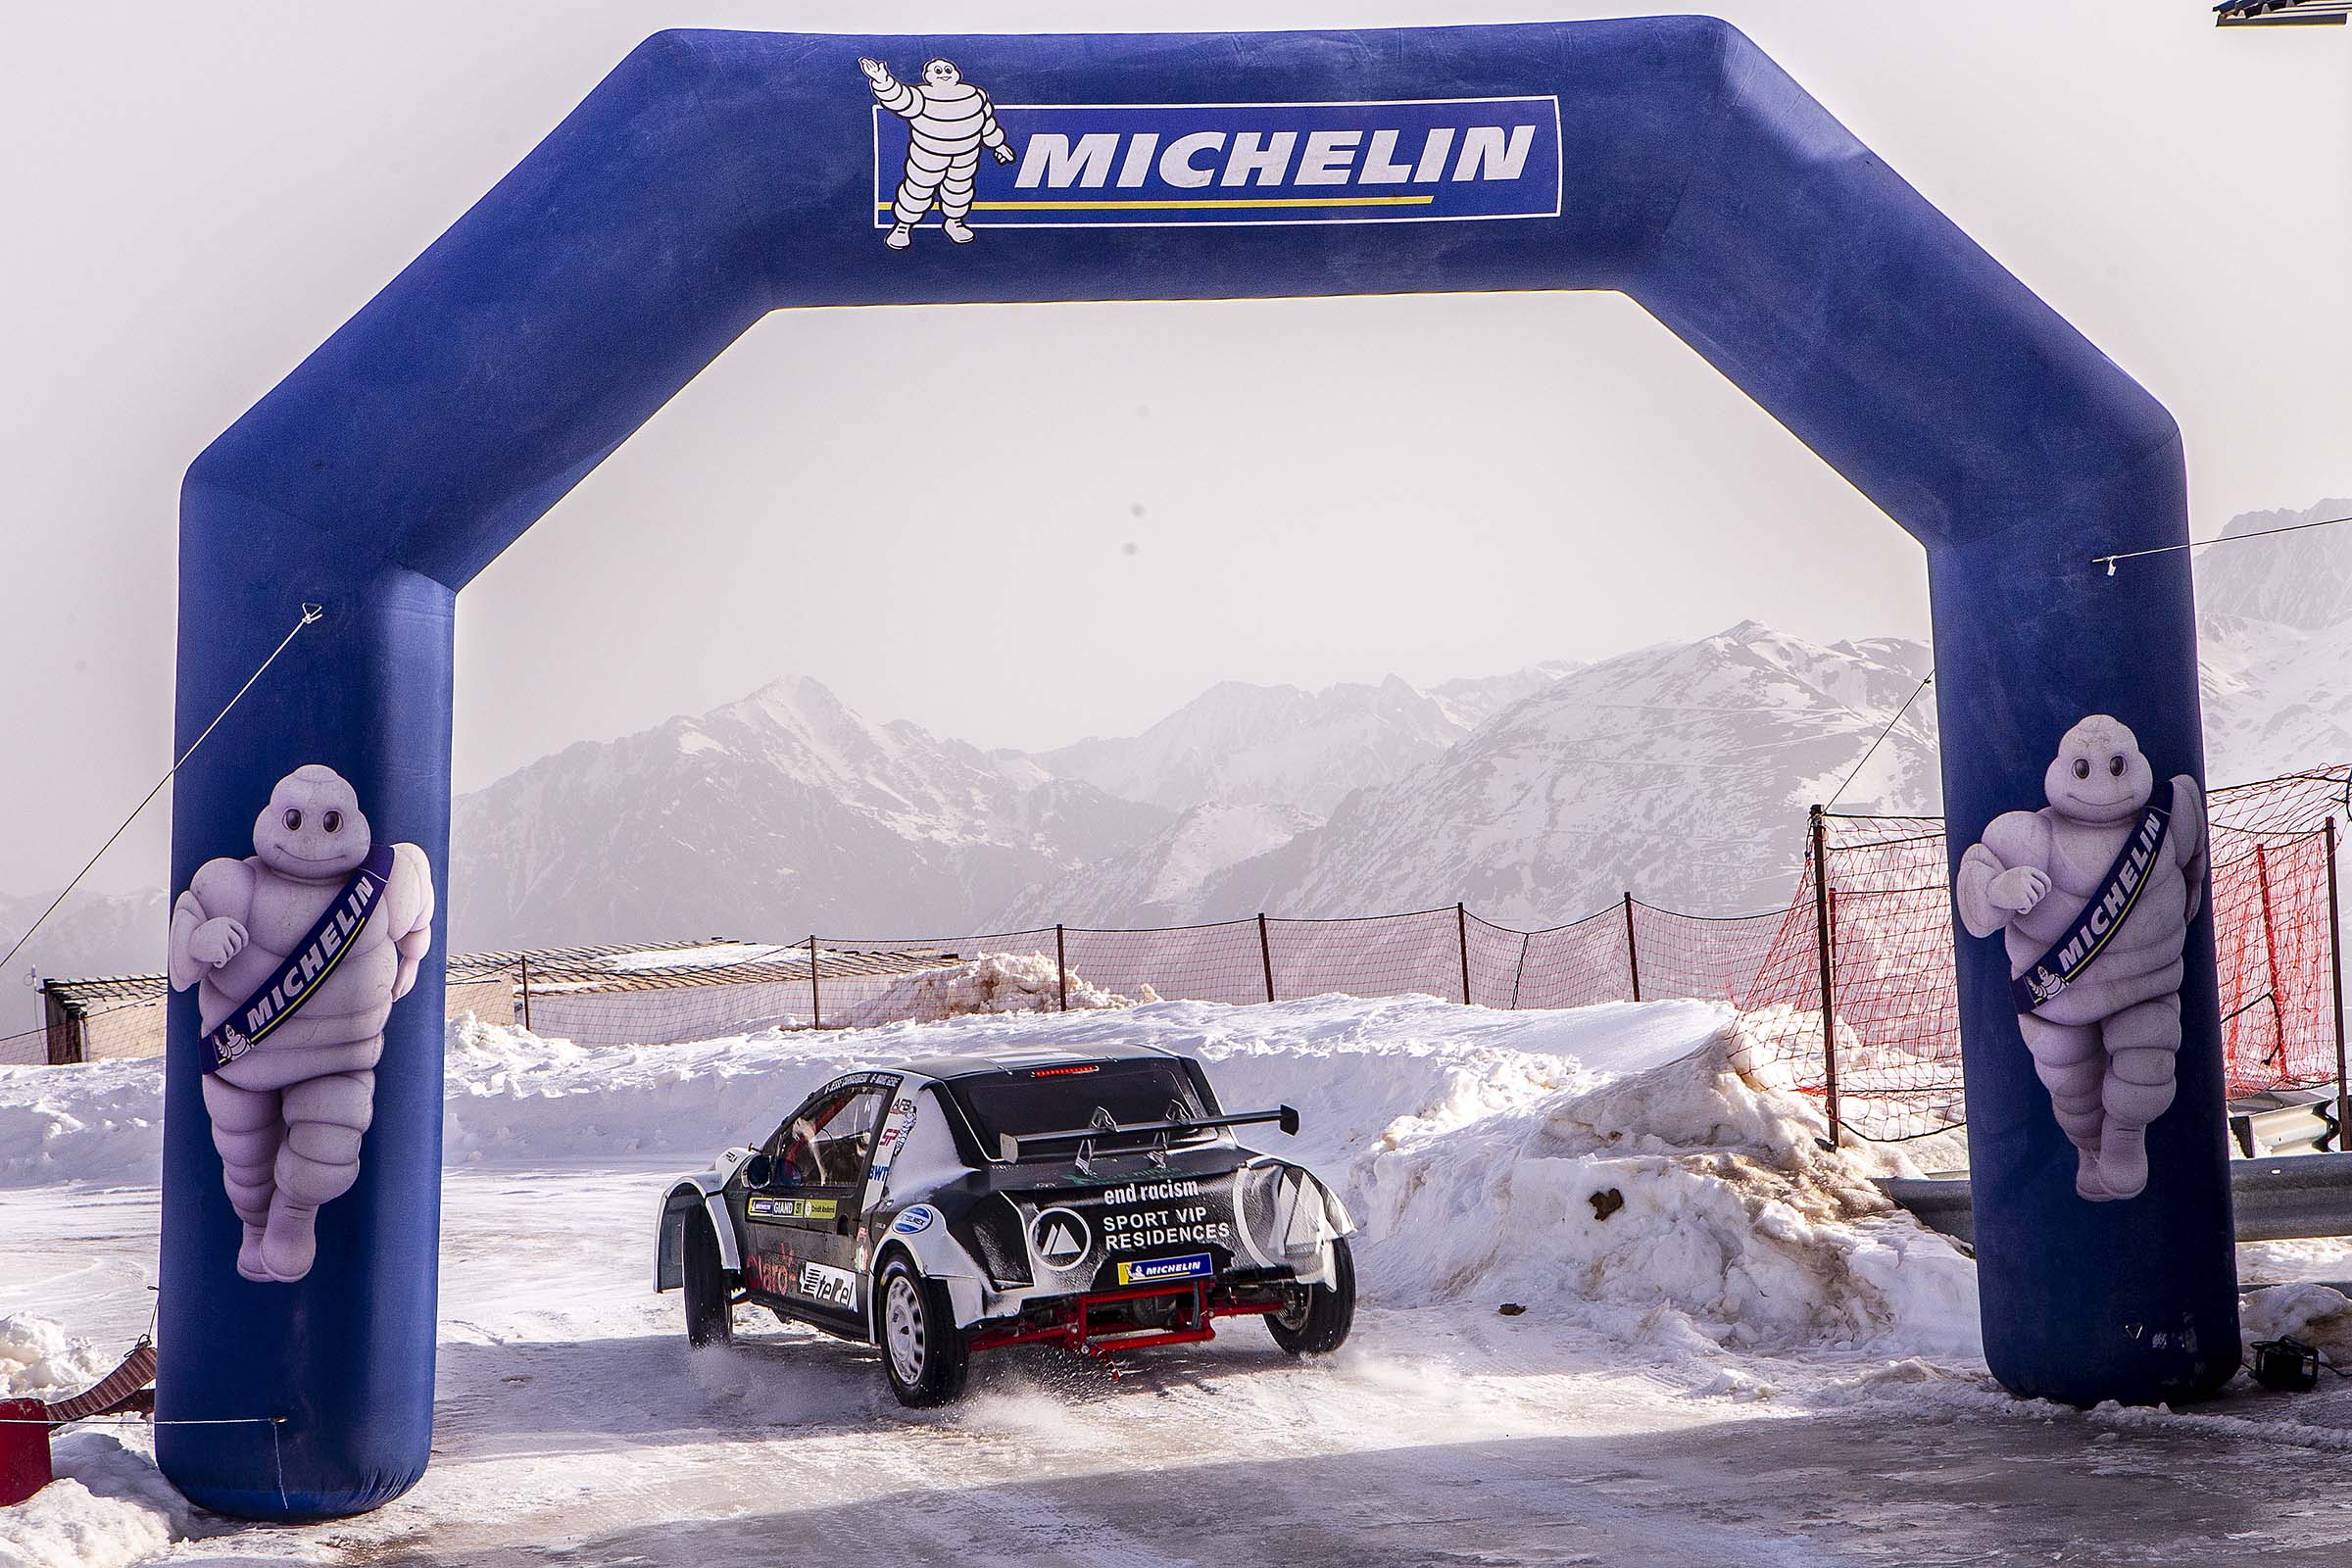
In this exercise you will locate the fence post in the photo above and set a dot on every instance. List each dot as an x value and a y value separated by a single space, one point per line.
1462 932
1265 954
2335 969
816 1012
1829 989
1061 966
2270 951
1632 953
526 991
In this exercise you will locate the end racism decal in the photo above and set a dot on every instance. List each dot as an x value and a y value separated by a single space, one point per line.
1117 165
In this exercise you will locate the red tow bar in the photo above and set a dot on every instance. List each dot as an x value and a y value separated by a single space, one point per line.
1091 1325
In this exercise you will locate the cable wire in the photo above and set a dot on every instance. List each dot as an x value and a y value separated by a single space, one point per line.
1857 769
2225 539
310 613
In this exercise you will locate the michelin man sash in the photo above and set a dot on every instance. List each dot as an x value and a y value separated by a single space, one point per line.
313 959
1120 166
2047 976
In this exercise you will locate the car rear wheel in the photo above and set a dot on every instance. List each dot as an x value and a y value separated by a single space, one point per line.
1315 1318
710 1316
922 1349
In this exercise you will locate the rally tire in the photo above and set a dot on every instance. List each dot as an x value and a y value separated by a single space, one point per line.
709 1315
1319 1316
923 1351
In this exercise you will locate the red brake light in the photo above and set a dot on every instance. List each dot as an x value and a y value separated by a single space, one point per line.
1063 1072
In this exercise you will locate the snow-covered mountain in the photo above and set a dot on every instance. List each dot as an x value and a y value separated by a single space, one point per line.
1282 746
2302 579
780 813
91 934
1681 771
1161 880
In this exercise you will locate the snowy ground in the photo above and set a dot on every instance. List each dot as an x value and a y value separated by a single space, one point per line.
1750 1361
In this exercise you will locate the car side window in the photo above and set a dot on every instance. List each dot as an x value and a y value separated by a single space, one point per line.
827 1141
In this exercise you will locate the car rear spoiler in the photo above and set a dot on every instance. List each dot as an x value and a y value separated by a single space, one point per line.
1009 1147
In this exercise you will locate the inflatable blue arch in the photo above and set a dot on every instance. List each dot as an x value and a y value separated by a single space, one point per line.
716 177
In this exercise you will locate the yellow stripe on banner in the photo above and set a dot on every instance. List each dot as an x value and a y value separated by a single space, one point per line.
1222 203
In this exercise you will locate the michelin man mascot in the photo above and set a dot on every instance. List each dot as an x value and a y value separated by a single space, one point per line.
2095 894
948 122
298 952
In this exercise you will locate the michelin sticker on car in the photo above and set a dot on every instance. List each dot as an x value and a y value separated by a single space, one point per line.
1151 1272
1178 166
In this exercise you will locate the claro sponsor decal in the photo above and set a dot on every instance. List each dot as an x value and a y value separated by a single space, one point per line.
1119 166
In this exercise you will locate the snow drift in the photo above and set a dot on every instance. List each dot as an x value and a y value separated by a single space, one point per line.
1680 1207
993 983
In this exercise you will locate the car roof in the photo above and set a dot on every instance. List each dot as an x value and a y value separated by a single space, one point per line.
1022 1059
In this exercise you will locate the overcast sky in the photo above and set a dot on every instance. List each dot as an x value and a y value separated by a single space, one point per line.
196 195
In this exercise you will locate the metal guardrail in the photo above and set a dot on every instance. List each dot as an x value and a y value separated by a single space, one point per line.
2284 1199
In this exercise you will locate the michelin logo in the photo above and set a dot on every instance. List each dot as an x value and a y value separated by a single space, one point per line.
1155 1270
1160 166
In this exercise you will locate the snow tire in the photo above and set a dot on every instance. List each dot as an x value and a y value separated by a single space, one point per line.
1317 1320
923 1351
710 1314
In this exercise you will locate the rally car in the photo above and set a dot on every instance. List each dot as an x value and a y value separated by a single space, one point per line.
1098 1202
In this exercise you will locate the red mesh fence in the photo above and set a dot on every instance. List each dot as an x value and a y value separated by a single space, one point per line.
1894 995
1388 956
1895 1068
1575 966
1224 962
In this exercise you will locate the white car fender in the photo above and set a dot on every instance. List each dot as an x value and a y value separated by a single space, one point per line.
920 1231
712 1184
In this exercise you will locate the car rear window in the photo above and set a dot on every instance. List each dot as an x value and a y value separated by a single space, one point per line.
1052 1099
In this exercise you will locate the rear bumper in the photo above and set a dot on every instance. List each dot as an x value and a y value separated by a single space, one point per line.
1101 1323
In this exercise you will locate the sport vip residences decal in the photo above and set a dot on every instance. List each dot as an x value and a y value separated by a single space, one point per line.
1132 1227
1177 166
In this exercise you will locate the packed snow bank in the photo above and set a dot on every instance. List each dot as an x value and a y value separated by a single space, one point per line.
102 1121
107 1508
1353 1064
38 1361
995 983
1679 1205
2318 1315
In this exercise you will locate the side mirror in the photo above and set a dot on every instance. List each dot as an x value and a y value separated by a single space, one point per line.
759 1170
1288 1120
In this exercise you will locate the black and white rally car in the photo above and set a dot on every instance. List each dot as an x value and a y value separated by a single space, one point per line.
1100 1202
